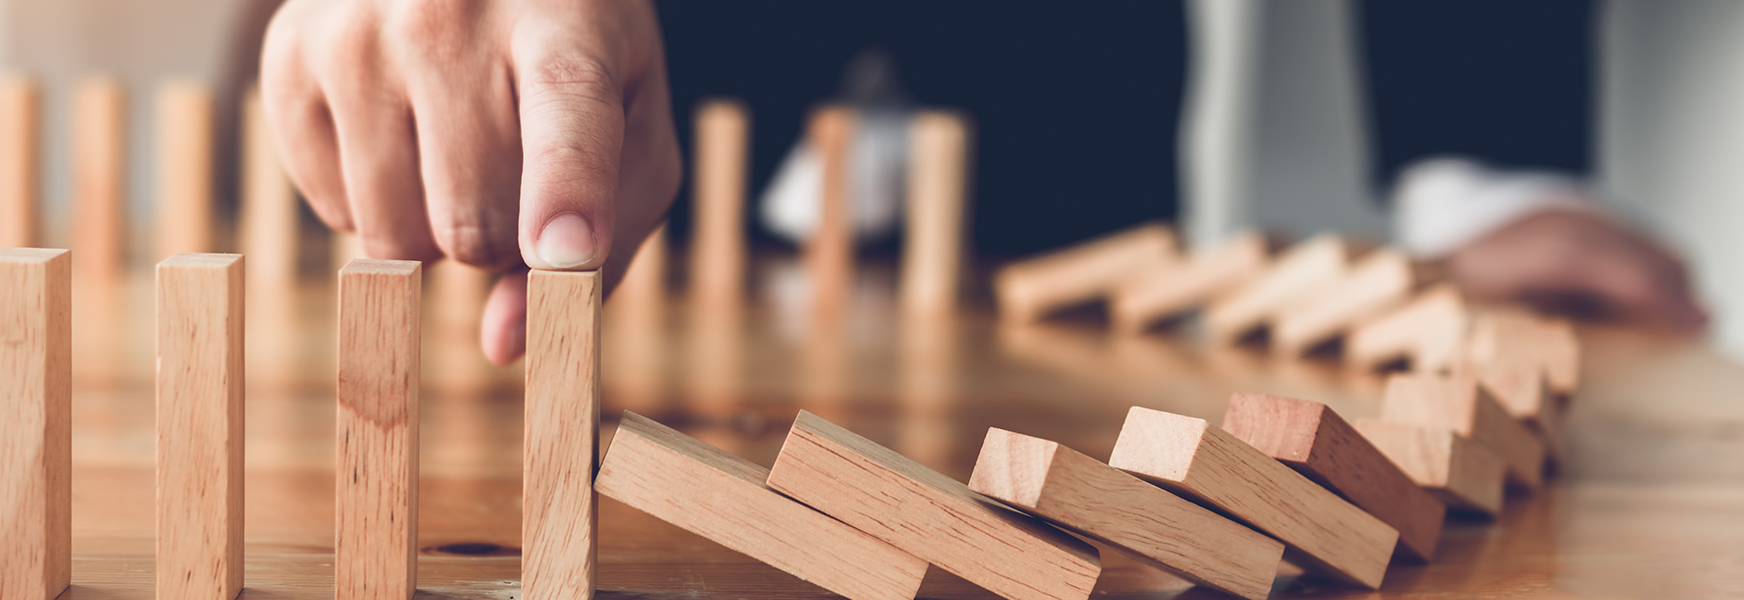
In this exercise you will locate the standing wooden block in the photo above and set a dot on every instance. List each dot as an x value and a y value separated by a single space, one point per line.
1296 276
829 253
1462 473
269 206
184 167
1156 295
20 167
930 515
100 179
559 517
641 294
200 320
1077 492
938 183
1029 289
1320 531
718 247
1312 439
36 443
1428 331
693 485
1458 403
376 533
1374 285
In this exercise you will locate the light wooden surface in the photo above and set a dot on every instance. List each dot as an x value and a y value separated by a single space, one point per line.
36 444
685 482
20 162
1144 299
1458 403
1082 494
1029 289
184 137
560 516
376 494
721 167
930 515
200 426
100 179
1297 276
829 252
1462 473
934 238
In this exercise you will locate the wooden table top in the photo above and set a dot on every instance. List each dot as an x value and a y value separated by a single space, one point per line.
1649 503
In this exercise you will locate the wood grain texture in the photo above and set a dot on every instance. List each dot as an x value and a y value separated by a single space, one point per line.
1149 297
100 179
559 514
718 247
1297 275
269 206
929 515
200 323
376 497
724 498
1082 494
184 167
1458 403
1464 474
1428 331
1312 439
1320 531
829 252
1029 289
934 239
1373 285
36 445
20 162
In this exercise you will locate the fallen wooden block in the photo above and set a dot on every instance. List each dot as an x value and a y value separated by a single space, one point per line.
559 515
1523 389
1458 403
1029 289
1300 273
933 241
1312 439
36 435
695 486
1462 473
930 515
20 162
1502 336
200 426
1080 493
1428 331
1320 531
1153 295
1375 284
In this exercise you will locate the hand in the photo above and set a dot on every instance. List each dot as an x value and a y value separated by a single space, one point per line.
1581 263
505 134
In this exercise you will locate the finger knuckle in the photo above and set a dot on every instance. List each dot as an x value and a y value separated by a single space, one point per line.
473 243
431 29
397 247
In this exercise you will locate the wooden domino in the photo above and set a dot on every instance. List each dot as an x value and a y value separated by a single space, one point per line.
829 252
269 206
1523 389
20 167
184 167
100 179
724 498
1074 491
641 294
36 444
1154 295
560 515
1029 289
1458 403
930 515
932 253
1378 282
1320 531
1300 273
376 532
200 426
718 248
1312 439
1501 336
1464 474
1428 331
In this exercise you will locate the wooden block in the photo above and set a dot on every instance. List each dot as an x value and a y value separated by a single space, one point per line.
933 241
36 446
1458 403
1296 276
693 485
1375 284
1522 388
200 426
20 165
269 206
930 515
560 517
376 534
1312 439
718 247
641 294
1080 493
1502 336
1320 531
184 167
829 253
1462 473
100 179
1428 331
344 247
1031 288
1146 298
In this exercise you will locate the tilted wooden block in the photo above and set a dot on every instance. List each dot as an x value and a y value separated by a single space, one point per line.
1502 336
1465 474
1080 493
1029 289
724 498
1429 331
184 167
199 426
559 515
1523 389
100 179
718 248
1320 531
938 183
1458 403
1375 284
376 532
1155 295
930 515
1300 273
1312 439
20 163
36 436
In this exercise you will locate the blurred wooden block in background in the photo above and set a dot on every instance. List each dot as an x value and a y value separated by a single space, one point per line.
269 206
1514 336
724 498
1373 285
1458 403
20 162
641 295
1312 439
1428 331
1320 531
829 252
1523 389
185 121
718 249
1077 492
200 426
100 179
934 239
1031 288
560 513
1298 275
376 535
1155 295
929 515
1462 473
36 437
